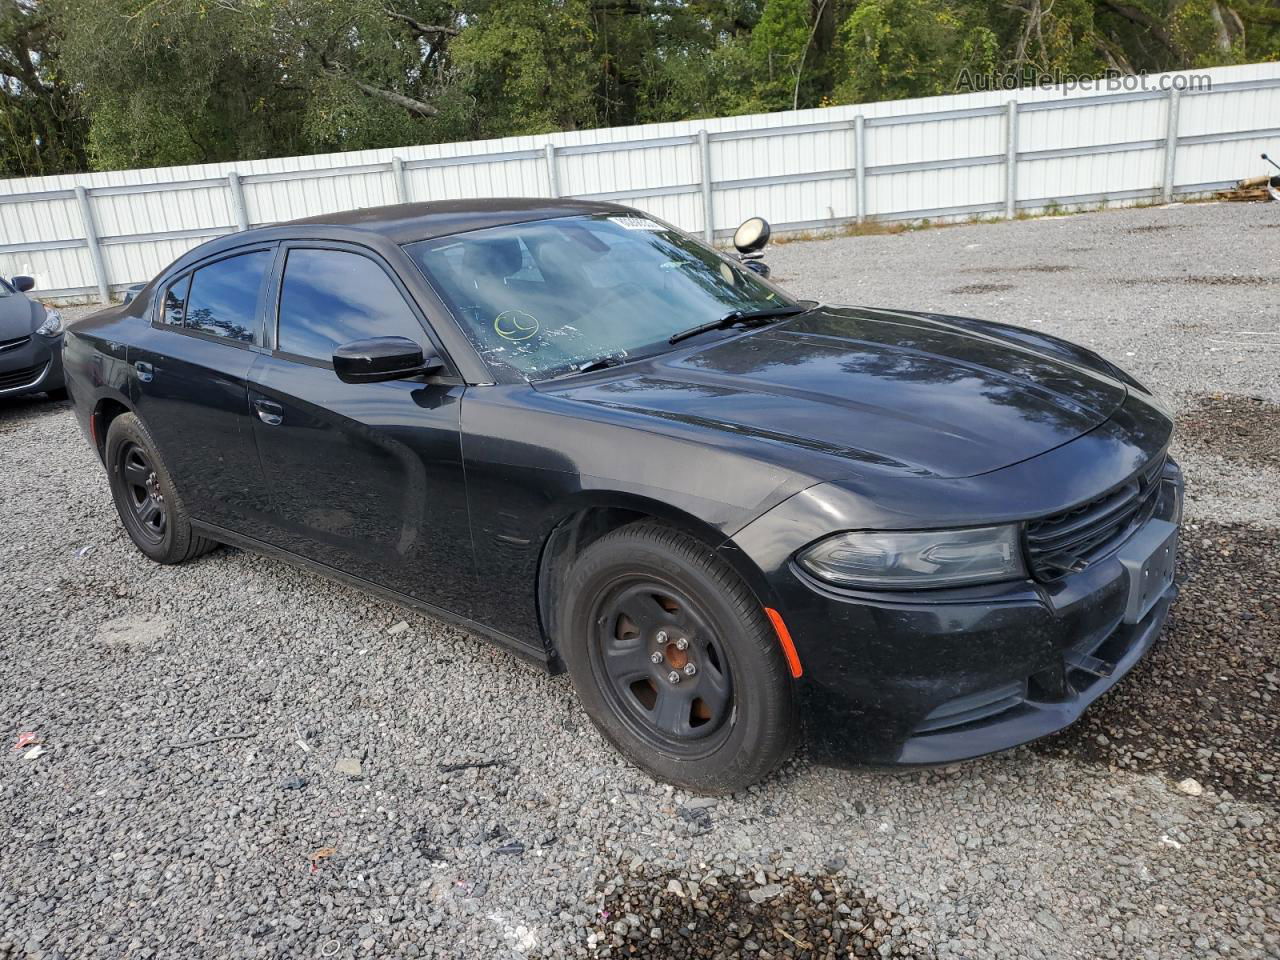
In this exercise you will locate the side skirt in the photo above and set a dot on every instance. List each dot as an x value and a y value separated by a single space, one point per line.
524 651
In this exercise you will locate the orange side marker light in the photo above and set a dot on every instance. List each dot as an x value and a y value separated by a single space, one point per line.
784 638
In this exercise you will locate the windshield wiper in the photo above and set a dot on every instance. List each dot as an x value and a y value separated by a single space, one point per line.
738 316
600 363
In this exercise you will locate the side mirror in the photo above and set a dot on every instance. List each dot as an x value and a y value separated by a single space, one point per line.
758 266
382 358
23 284
752 236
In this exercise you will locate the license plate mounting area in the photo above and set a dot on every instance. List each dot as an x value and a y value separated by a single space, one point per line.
1149 559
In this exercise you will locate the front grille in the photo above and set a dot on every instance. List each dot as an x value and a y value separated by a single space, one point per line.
14 344
1071 540
9 379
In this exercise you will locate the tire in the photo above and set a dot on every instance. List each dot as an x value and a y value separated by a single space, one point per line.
149 504
642 591
57 395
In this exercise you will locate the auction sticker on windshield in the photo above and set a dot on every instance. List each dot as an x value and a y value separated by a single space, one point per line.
637 223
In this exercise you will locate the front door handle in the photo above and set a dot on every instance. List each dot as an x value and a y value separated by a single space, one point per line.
146 372
269 412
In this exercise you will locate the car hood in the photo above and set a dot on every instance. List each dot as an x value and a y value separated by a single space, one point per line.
15 317
877 389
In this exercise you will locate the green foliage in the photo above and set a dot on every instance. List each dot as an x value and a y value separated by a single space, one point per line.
122 83
1201 30
526 66
777 44
174 81
905 48
42 130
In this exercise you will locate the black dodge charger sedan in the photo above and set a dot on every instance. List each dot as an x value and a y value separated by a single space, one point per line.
739 519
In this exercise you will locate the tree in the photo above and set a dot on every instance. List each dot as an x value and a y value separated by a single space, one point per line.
523 67
905 48
172 81
209 80
42 130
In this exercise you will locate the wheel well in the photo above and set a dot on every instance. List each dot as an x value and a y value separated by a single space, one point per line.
569 538
106 411
573 535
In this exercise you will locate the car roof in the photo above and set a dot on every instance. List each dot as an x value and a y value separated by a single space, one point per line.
391 226
407 222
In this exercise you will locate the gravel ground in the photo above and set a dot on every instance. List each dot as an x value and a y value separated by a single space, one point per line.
243 760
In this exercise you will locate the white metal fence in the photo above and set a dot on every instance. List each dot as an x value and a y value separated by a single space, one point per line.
978 154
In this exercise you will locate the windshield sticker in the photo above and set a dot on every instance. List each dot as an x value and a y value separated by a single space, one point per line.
515 325
637 223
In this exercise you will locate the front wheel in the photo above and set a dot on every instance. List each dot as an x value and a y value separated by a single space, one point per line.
149 504
674 660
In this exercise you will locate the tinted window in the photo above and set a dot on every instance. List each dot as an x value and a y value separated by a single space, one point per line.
174 299
223 299
330 298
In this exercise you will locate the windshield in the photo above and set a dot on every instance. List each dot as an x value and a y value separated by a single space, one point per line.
549 297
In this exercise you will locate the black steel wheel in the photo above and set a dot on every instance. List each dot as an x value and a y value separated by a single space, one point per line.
662 666
148 515
674 660
149 504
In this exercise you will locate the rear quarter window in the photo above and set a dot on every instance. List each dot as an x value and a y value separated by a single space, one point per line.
174 301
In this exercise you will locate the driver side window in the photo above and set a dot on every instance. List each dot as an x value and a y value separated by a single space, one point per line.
332 297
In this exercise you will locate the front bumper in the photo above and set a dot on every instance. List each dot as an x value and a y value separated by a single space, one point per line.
1023 713
939 676
31 367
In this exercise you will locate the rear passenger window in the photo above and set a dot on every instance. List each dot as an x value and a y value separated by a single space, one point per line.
330 297
223 299
175 299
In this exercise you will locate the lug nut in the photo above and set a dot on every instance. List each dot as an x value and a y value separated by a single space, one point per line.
655 657
662 636
682 644
690 669
673 676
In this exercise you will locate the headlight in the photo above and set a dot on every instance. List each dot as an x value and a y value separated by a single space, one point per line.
53 324
909 559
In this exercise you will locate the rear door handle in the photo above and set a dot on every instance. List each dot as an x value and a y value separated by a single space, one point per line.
269 412
146 373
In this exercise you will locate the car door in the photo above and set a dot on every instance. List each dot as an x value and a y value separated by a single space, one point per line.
190 365
365 478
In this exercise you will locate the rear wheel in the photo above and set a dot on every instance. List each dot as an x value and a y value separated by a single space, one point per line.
145 496
674 661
